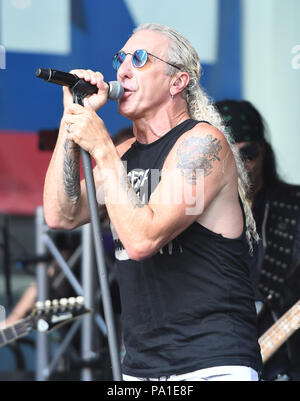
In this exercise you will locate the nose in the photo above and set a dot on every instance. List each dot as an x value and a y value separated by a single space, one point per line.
126 68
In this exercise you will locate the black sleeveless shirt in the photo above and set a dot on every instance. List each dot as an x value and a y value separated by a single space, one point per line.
190 306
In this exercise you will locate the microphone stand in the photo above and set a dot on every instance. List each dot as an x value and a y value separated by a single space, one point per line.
79 92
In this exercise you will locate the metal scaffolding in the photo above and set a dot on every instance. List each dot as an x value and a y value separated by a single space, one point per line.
47 359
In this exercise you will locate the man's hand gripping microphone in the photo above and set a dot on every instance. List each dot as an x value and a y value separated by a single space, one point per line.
79 87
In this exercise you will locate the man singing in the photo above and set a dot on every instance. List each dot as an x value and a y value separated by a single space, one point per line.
182 226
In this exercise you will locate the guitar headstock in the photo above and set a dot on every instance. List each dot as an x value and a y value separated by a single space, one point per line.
50 314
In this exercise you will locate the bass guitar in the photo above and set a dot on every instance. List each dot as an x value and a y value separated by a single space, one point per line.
280 332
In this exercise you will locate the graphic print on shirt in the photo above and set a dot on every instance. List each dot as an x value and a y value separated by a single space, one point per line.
139 180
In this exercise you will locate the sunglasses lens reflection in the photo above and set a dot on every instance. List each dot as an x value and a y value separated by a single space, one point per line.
139 59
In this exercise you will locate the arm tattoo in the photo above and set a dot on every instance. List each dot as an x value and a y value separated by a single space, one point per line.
132 196
197 154
71 171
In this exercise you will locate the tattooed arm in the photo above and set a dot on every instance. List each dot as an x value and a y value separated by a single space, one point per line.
71 171
64 195
198 154
198 183
199 174
65 199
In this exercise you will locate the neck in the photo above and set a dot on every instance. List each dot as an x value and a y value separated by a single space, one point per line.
150 128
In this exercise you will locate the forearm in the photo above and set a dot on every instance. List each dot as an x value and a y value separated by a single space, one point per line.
65 198
62 192
132 220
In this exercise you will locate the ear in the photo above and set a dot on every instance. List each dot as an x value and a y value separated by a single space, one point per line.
179 82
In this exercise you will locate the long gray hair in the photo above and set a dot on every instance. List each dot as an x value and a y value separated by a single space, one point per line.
200 107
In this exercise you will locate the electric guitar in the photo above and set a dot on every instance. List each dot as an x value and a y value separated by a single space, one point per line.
46 316
280 332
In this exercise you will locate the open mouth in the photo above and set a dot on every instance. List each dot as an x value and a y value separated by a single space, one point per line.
127 92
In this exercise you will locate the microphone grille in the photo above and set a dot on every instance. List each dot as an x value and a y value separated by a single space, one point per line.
116 91
44 73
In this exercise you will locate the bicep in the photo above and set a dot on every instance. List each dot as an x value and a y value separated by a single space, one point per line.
175 204
192 177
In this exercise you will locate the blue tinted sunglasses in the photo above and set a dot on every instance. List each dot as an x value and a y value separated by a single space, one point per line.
138 59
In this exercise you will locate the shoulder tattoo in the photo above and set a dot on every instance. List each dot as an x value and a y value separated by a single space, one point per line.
195 154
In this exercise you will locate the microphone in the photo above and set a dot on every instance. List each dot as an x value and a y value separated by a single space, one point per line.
115 90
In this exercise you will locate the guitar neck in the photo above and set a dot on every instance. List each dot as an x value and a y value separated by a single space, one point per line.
280 332
14 332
